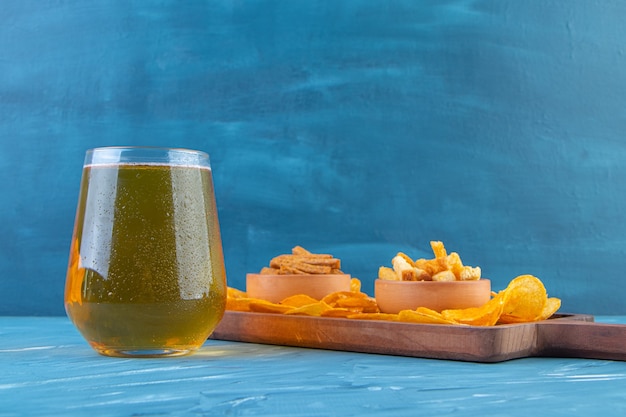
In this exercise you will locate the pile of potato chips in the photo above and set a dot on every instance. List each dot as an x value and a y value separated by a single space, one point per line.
524 300
442 267
336 304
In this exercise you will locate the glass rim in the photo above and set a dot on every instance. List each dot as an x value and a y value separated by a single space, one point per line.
157 155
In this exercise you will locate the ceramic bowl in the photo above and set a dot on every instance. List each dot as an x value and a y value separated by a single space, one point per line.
275 288
394 296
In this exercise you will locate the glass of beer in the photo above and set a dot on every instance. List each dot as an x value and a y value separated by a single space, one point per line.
146 274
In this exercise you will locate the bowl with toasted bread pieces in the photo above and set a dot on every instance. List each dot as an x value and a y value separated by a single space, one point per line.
300 272
440 283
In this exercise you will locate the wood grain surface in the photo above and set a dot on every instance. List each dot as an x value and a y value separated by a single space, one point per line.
568 335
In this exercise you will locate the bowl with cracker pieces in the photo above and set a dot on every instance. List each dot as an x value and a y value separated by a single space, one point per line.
300 272
440 283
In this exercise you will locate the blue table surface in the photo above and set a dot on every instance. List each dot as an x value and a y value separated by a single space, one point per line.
46 368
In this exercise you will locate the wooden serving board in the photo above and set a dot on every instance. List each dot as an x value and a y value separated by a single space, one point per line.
565 335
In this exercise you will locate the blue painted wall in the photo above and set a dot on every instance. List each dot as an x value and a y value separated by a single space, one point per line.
359 128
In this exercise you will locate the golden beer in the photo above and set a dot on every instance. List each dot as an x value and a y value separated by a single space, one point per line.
146 273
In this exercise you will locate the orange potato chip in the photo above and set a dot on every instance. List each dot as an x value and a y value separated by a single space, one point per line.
262 306
239 304
365 305
298 300
506 319
355 301
355 285
315 309
374 316
331 299
235 293
524 299
486 315
428 311
552 306
424 316
338 312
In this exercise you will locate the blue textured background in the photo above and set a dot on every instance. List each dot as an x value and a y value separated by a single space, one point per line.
360 128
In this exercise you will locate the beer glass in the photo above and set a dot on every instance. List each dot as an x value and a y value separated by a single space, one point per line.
146 274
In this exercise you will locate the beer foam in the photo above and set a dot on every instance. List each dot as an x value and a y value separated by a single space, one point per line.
115 156
144 164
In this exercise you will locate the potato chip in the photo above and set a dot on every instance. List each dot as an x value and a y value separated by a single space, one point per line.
338 312
428 311
365 305
235 293
552 306
262 306
524 299
355 285
423 316
332 298
374 316
239 304
298 300
355 301
486 315
315 309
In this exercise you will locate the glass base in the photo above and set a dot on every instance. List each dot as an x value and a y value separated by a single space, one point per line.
144 353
